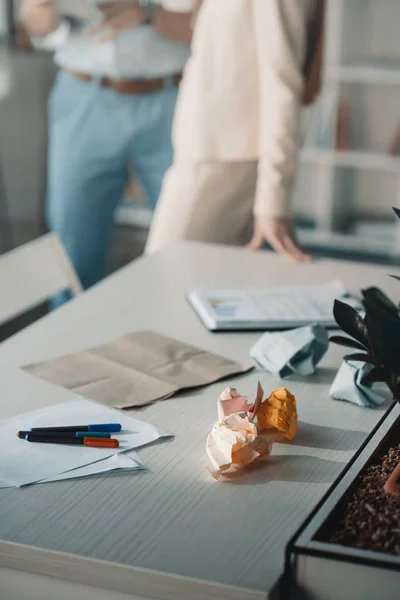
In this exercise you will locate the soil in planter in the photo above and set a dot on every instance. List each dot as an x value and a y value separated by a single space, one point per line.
371 519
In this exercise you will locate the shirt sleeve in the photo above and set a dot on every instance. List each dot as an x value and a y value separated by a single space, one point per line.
55 39
280 28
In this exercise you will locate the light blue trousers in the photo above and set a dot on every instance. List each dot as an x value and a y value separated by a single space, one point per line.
94 133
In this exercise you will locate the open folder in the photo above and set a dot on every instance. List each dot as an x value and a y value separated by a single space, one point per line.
270 308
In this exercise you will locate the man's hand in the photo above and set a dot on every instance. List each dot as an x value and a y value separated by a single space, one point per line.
280 235
117 16
40 17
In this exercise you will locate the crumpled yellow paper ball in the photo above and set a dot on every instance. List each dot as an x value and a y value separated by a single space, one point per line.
279 411
234 442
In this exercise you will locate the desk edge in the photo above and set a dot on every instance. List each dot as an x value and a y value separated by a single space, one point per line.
117 577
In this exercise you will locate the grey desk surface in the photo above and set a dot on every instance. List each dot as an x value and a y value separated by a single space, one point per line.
175 518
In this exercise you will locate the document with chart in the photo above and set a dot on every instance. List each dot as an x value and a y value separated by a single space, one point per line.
269 308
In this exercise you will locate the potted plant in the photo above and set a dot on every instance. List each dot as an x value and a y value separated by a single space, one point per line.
349 547
376 338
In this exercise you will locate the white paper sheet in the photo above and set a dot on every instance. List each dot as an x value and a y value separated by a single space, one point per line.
122 462
127 461
24 462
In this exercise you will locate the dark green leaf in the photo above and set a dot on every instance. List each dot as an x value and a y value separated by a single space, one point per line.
380 309
360 357
395 277
347 342
351 322
375 296
384 337
374 376
397 211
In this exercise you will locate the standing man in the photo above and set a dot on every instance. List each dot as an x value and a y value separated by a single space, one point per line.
237 125
112 104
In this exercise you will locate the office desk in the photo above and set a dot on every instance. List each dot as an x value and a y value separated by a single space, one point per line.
173 532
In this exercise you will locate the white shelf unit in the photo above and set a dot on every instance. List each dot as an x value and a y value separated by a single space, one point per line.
339 190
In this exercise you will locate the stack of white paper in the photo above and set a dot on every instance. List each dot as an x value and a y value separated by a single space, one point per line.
25 462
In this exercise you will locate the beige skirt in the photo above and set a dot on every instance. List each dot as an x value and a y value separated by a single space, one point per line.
208 202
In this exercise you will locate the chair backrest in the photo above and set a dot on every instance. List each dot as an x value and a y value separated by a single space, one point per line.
33 273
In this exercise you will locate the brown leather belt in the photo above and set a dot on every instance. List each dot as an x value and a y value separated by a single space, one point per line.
132 86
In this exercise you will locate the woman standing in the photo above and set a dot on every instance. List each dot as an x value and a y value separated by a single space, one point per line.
237 125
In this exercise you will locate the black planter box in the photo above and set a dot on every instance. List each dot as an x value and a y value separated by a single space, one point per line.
319 570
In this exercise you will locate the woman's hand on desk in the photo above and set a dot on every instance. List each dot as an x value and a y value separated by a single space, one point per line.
117 17
279 233
39 17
